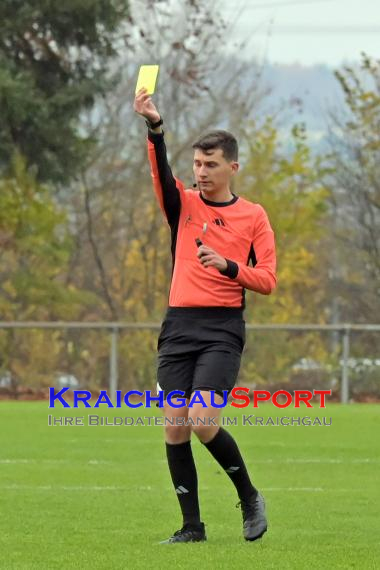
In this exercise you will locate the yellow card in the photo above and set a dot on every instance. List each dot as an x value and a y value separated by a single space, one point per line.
147 78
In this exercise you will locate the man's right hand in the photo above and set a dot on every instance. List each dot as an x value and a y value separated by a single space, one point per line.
143 105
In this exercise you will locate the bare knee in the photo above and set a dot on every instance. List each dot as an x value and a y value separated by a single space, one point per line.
177 433
204 433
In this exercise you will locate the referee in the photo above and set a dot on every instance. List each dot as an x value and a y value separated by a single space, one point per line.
215 235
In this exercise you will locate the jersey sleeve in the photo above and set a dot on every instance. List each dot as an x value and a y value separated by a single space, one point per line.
262 277
168 189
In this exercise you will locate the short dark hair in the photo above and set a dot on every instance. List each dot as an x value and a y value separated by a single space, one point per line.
219 139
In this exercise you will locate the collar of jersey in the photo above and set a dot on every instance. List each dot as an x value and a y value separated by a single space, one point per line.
219 204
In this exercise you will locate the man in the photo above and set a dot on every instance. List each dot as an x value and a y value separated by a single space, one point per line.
214 236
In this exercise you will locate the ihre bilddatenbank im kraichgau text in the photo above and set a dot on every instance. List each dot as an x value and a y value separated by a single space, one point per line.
241 398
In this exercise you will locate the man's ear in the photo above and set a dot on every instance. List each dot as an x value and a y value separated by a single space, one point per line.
235 167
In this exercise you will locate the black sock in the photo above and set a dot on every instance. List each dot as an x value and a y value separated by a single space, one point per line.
185 480
225 450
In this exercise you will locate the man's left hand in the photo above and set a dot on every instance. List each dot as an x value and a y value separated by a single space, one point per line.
209 258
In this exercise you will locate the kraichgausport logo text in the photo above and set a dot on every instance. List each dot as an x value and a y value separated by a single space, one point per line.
176 399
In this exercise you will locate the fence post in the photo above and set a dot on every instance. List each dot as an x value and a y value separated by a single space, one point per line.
345 390
113 363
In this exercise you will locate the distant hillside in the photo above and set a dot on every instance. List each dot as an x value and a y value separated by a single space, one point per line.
308 93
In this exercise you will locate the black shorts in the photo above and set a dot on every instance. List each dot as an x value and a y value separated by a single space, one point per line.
200 349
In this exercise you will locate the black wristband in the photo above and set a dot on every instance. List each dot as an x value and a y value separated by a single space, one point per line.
231 270
154 125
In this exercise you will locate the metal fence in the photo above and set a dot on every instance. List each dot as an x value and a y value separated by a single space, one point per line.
114 329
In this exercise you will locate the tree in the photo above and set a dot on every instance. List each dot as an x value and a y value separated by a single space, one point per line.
35 249
288 183
54 59
355 185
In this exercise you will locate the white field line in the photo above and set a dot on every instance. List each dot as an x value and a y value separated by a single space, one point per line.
97 488
358 461
321 460
53 462
56 488
152 442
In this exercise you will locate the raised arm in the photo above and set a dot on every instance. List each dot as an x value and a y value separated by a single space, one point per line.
167 188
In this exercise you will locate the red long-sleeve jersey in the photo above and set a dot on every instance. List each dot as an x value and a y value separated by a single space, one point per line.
238 230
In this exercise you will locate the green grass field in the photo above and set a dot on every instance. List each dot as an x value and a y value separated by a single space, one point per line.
101 497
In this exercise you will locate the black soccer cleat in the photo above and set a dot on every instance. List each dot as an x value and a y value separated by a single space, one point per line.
188 533
254 519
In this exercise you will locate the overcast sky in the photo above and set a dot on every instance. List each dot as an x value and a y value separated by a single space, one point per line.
306 31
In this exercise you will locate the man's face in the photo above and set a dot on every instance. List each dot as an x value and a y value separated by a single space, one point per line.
212 171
